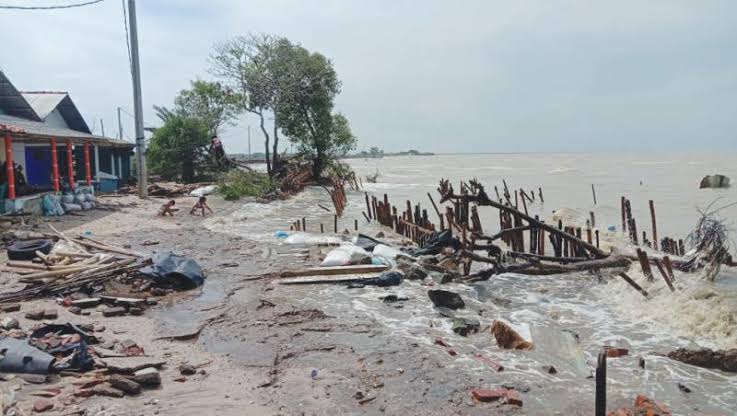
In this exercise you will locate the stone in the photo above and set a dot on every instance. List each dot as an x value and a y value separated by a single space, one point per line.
451 351
41 405
466 326
682 387
35 315
187 370
725 360
98 328
86 327
147 377
550 369
11 307
446 299
508 338
107 390
50 314
84 393
380 234
115 311
9 322
393 299
442 278
123 384
76 310
151 301
135 311
86 303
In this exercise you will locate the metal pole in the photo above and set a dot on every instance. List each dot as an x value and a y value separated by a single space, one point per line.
102 127
138 104
600 398
120 126
249 143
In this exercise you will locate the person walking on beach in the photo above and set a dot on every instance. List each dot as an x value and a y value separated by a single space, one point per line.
167 209
216 150
201 204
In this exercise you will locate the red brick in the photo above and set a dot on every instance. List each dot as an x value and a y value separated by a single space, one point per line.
40 406
441 342
489 362
489 395
513 398
612 352
451 351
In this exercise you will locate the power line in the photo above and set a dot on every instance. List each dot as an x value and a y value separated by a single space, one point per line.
64 6
127 38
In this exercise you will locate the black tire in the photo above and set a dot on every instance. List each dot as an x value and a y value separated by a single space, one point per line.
26 250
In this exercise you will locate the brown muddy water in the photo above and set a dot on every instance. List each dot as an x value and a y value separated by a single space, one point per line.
601 311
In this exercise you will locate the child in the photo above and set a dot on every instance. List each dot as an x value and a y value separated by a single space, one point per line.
167 209
201 204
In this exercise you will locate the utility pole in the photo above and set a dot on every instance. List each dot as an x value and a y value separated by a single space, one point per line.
138 104
249 143
102 127
120 126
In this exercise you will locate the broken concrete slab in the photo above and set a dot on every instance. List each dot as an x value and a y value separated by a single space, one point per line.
115 311
129 365
148 377
107 390
86 303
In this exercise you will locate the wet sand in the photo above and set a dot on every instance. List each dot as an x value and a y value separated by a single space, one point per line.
261 341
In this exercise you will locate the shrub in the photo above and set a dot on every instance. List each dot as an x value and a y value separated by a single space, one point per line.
237 183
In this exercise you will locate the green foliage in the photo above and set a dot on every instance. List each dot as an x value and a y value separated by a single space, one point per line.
297 86
176 146
207 102
238 183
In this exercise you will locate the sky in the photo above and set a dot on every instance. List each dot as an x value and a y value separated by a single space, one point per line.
439 76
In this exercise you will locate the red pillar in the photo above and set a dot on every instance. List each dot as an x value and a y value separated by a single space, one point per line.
54 165
70 164
87 173
9 166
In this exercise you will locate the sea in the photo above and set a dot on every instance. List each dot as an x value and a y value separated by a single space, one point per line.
599 310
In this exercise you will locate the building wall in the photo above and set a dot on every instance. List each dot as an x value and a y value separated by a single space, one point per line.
55 119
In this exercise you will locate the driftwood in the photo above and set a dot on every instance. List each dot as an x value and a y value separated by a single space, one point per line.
337 270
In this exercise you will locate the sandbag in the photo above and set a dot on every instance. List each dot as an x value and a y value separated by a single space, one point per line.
386 252
345 256
304 238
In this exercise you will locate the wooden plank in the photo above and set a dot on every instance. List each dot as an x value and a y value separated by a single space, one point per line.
335 270
314 280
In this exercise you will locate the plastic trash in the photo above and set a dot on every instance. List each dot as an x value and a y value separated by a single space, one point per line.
74 355
19 357
281 234
52 206
612 228
170 269
346 255
366 242
385 280
437 242
308 239
204 190
87 232
71 207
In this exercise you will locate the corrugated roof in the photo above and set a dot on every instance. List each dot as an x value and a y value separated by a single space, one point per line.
44 102
12 102
28 129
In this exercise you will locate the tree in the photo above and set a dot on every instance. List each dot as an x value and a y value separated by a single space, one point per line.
176 146
245 63
376 153
305 112
206 101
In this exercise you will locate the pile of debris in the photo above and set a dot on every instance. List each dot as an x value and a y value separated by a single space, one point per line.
166 189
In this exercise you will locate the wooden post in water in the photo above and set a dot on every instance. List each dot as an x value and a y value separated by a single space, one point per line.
593 192
592 218
645 264
540 190
632 283
624 216
322 229
335 224
304 224
669 268
596 232
368 206
355 225
681 248
600 399
655 227
662 273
